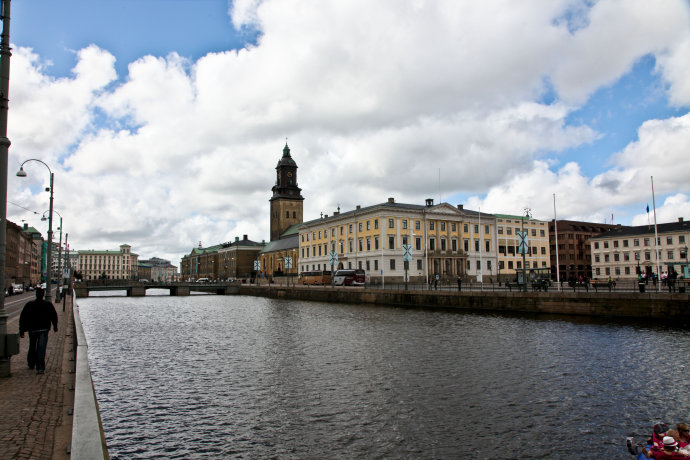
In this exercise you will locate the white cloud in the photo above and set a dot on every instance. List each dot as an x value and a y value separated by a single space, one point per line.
375 98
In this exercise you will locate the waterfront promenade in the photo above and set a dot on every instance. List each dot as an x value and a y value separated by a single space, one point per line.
36 420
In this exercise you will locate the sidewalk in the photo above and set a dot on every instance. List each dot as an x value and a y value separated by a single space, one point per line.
35 410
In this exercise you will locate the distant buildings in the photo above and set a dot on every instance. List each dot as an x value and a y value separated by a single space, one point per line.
623 252
439 239
574 252
155 269
108 265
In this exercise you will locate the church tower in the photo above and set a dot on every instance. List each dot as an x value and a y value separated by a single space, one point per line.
286 202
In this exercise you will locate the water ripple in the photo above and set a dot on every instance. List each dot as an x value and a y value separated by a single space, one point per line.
239 377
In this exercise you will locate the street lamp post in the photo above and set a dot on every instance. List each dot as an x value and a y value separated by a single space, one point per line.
59 259
22 173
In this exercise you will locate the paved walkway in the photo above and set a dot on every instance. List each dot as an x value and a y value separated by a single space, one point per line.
35 420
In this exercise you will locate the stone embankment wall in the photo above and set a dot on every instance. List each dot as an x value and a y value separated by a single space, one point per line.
624 305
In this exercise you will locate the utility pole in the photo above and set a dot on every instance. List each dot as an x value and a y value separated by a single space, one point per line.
8 342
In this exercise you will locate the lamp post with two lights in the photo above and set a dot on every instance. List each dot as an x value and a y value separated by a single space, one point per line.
49 252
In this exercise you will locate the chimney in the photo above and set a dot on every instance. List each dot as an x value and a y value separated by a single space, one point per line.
26 226
244 237
358 207
336 213
237 238
460 207
680 220
391 200
325 216
429 202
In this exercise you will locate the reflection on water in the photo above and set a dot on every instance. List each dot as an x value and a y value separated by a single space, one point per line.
246 377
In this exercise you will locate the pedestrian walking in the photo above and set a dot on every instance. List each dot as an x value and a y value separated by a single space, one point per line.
36 318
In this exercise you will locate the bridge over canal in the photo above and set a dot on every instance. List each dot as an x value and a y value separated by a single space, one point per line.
138 289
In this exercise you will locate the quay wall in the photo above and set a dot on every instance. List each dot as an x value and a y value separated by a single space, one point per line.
623 305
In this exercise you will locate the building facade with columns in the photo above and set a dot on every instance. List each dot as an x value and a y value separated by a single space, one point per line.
444 240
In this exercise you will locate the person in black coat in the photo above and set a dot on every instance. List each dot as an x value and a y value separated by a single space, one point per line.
36 318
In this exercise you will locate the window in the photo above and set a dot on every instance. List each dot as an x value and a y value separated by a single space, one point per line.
431 225
509 231
606 244
616 257
500 230
417 225
287 214
376 264
391 242
349 228
359 227
626 256
487 244
669 240
476 245
418 243
479 265
534 232
404 239
368 225
349 245
432 244
333 232
454 245
453 227
376 224
443 244
360 244
465 228
625 243
636 242
467 245
341 229
404 224
476 228
376 242
510 265
681 239
543 250
615 243
391 223
443 226
646 241
392 264
627 270
419 264
647 256
368 244
606 258
541 233
670 255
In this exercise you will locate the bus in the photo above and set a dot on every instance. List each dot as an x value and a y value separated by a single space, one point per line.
350 277
314 278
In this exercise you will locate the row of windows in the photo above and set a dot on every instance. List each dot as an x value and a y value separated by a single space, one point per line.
636 242
513 250
509 231
517 265
392 263
362 243
670 255
391 225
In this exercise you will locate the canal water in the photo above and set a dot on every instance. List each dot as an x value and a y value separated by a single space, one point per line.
246 377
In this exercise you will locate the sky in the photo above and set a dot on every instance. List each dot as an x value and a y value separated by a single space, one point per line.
163 120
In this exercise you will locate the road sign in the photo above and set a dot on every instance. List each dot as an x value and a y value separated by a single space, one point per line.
523 242
333 258
257 265
288 262
407 252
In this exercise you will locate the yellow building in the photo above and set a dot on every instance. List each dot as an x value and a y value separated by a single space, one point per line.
109 265
509 257
444 240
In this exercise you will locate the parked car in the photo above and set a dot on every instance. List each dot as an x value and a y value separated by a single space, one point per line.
202 280
17 288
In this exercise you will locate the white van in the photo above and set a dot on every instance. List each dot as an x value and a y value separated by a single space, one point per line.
202 280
